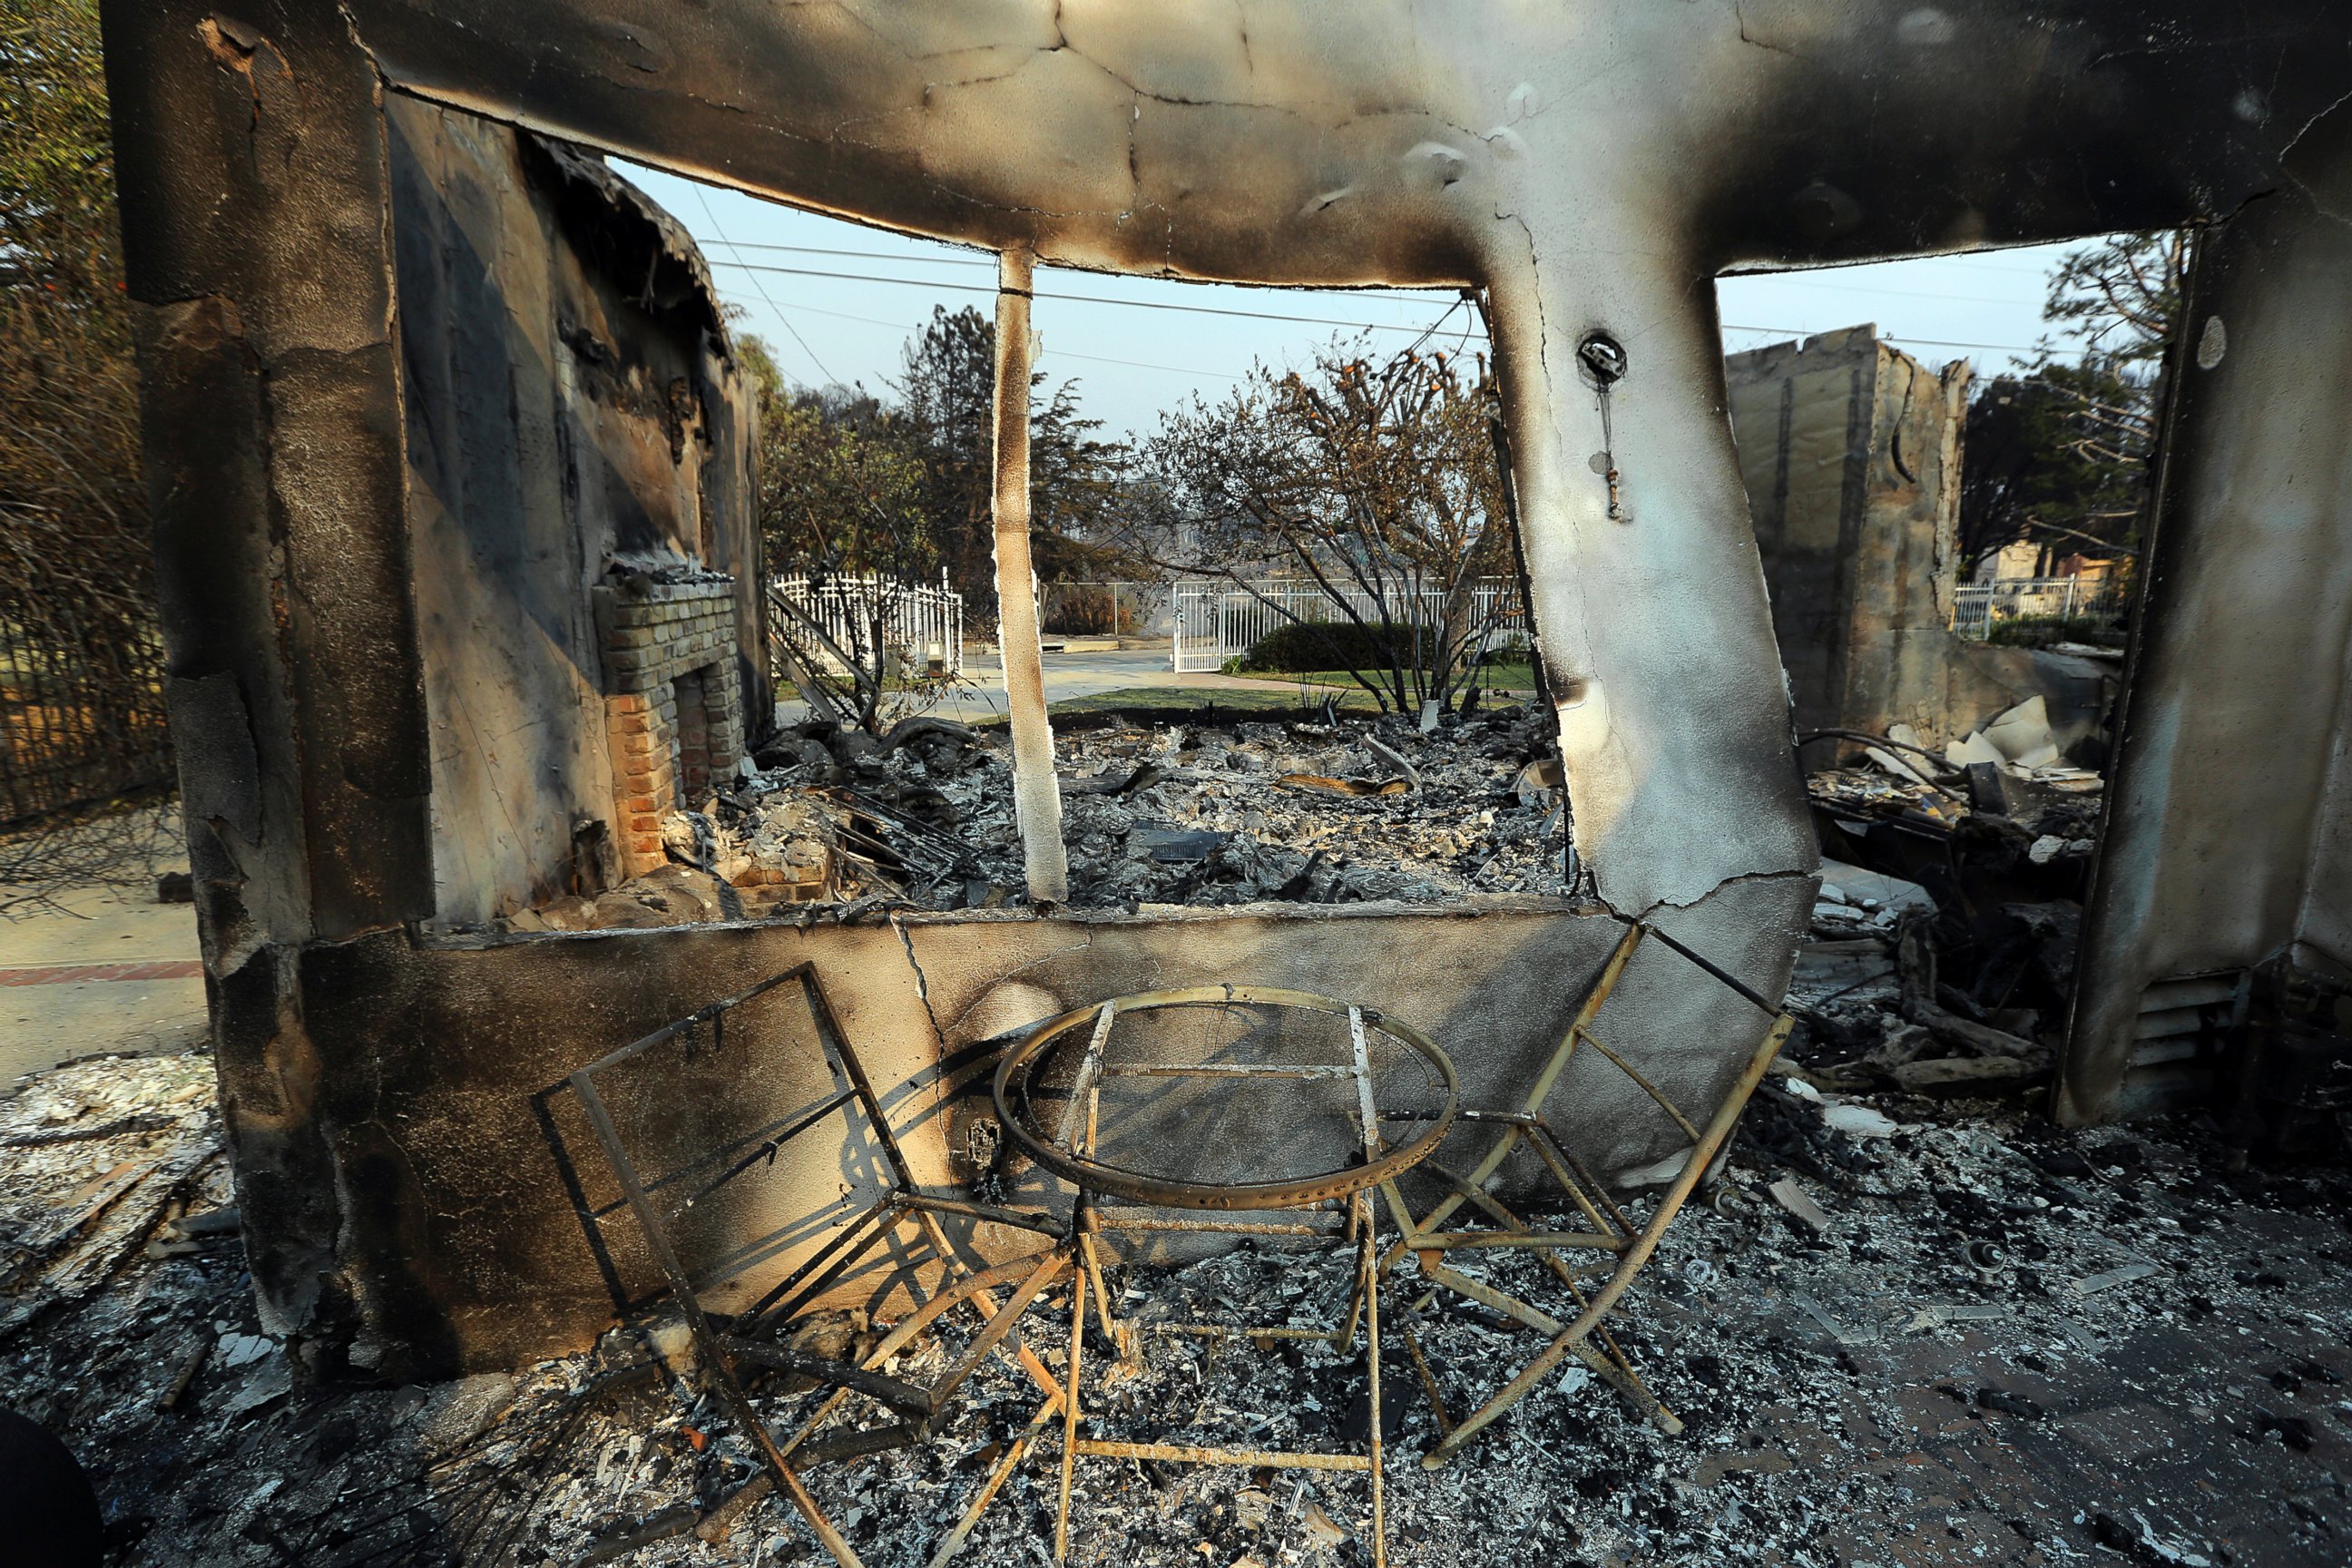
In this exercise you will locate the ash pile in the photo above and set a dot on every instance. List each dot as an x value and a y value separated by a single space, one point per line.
830 820
1907 1321
1898 1327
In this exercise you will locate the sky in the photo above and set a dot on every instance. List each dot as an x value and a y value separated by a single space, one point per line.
836 301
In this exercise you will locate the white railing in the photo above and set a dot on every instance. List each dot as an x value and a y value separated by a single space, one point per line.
922 626
1215 621
1977 607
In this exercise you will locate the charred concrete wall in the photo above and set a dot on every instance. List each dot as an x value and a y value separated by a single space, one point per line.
480 1228
1850 450
569 402
2225 850
378 507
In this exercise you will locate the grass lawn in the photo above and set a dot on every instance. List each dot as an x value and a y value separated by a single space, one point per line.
1177 700
1300 697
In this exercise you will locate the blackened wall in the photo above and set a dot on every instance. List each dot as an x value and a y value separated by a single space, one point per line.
2228 840
570 397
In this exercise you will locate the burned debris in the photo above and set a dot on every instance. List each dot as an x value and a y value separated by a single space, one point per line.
1980 1300
1207 811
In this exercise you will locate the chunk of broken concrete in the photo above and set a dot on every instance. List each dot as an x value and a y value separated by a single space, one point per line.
2023 734
1975 750
1873 888
1859 1120
460 1412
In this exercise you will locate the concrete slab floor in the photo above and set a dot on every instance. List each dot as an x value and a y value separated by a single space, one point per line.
104 970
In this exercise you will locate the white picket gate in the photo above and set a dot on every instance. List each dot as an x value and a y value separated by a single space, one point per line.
1215 621
1976 606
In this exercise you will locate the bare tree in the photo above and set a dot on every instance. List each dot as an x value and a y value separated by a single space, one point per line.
2061 455
1375 480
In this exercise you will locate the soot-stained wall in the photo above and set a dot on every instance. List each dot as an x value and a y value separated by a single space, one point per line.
570 398
1592 168
2227 845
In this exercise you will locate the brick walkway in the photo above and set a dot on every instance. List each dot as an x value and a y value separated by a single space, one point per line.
76 973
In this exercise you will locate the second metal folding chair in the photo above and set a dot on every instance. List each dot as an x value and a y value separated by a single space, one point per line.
1612 1243
920 1410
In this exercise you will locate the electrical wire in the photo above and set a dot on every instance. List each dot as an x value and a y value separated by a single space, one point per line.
1303 321
1075 299
988 260
762 287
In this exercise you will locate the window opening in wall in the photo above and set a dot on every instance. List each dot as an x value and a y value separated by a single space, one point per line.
1279 604
1279 598
1945 463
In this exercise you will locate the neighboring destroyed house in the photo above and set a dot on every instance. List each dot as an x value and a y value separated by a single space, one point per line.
1850 452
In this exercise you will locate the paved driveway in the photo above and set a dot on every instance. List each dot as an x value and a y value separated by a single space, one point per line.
1068 675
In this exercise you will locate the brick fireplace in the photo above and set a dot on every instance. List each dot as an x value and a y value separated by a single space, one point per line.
673 704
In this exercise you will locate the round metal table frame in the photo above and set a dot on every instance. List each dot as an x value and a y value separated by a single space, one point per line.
1069 1151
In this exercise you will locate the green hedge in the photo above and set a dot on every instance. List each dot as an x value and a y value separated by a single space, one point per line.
2040 631
1298 649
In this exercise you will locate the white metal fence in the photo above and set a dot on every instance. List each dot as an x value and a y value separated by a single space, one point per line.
1215 621
921 626
1977 607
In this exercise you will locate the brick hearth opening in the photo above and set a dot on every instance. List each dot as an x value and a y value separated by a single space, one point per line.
674 706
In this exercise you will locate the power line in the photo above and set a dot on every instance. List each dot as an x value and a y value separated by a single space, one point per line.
1274 316
1051 352
1974 262
1786 282
1420 333
1078 299
762 287
1138 364
1888 337
1410 296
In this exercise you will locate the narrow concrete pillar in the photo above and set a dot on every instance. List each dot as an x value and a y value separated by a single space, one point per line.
1036 797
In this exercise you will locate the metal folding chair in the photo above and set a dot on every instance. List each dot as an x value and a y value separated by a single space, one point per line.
712 1174
1612 1242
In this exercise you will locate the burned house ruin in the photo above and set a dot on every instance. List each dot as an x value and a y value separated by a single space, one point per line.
447 626
1850 450
583 543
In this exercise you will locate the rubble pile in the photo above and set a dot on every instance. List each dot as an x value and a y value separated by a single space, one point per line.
1943 944
1910 1319
1899 1328
1202 813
